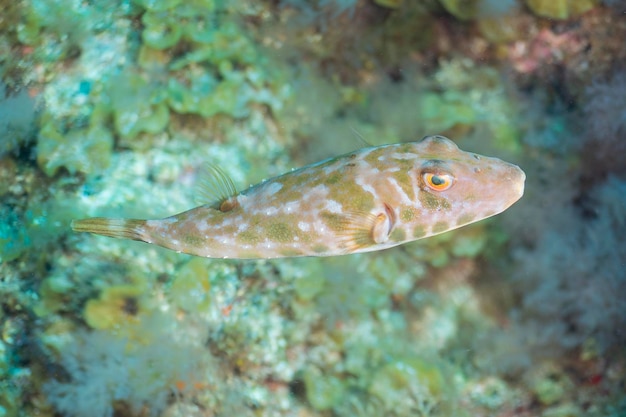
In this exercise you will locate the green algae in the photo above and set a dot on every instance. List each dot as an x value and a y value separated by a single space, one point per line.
323 392
458 105
464 10
131 104
84 151
137 106
415 379
491 393
560 9
190 289
116 307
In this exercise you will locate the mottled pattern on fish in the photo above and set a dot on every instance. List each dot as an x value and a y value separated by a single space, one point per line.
370 199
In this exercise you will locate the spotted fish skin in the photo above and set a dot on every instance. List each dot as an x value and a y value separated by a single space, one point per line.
370 199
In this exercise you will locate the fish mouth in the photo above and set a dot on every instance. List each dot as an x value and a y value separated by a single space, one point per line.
518 179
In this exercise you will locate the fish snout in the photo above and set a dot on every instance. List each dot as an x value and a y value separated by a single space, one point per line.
516 178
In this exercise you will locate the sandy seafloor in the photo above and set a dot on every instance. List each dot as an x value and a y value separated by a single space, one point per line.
113 108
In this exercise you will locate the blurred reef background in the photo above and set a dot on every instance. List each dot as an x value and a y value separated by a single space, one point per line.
110 108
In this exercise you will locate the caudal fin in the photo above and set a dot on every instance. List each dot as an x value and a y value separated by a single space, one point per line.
117 228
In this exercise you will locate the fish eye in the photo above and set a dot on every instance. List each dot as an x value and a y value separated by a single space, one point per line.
438 182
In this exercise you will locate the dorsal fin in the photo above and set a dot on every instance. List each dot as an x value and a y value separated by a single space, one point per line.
360 137
214 188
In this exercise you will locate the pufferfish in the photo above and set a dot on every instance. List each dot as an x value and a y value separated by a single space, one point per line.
366 200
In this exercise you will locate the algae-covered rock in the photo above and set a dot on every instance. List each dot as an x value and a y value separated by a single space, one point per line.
17 120
8 171
490 392
471 9
390 4
469 243
137 105
549 384
564 410
309 281
501 29
4 359
116 306
54 293
560 9
158 5
190 289
322 391
444 111
83 150
410 386
462 9
161 30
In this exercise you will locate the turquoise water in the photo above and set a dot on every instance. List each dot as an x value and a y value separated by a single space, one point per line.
112 108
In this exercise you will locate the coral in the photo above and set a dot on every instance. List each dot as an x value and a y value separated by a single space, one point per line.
104 371
605 107
605 113
588 294
563 309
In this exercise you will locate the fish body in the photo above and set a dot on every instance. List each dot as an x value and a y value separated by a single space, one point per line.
367 200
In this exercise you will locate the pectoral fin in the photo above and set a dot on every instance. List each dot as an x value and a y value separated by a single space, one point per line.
215 188
358 230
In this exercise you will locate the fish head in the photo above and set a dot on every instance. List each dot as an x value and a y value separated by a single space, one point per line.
458 187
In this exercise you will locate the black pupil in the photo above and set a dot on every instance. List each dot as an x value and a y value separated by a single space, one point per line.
437 180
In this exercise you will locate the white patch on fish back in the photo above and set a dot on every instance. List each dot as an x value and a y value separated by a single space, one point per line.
400 191
292 207
203 226
365 186
403 156
333 206
273 188
270 211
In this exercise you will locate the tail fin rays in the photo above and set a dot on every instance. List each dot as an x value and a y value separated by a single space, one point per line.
117 228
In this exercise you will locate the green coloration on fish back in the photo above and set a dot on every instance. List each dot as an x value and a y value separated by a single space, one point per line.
370 199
